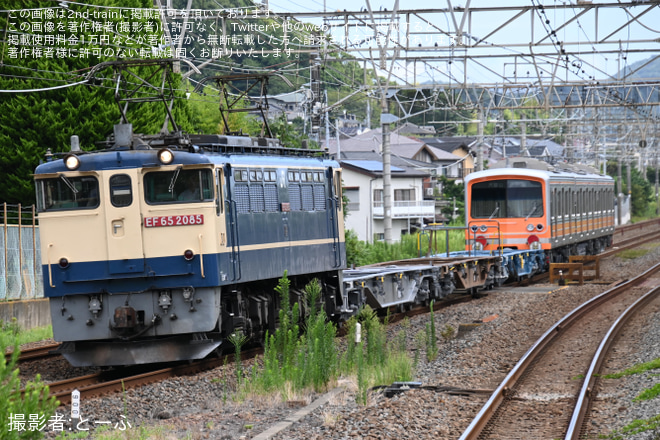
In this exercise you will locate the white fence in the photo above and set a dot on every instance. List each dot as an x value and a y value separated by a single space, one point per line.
20 260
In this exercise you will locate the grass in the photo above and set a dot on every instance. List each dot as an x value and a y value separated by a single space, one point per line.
639 368
647 394
631 254
360 253
110 433
12 331
636 427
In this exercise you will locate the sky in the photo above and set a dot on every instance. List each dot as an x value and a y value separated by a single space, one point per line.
625 47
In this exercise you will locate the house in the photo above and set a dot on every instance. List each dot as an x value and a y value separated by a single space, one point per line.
462 147
410 129
443 162
292 104
362 178
537 147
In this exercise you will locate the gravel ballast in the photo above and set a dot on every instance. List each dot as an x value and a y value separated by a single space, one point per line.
477 356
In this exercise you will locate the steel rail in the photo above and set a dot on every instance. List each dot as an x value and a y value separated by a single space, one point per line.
504 389
32 354
588 387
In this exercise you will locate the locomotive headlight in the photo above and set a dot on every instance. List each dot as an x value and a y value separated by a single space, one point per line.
71 161
64 262
165 156
478 246
530 227
483 228
188 254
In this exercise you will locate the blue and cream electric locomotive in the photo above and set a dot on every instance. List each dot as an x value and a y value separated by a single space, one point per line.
158 248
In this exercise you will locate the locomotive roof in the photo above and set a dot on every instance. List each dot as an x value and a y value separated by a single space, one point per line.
540 174
206 153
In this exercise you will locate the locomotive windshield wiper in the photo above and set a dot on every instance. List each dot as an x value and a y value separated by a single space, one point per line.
173 181
497 208
532 211
69 184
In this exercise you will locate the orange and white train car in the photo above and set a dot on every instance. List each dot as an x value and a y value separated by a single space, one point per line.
531 205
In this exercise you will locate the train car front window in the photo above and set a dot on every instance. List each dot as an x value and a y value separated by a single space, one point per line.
81 192
507 199
178 186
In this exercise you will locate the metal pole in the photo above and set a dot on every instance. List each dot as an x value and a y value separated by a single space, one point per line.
387 175
619 196
5 243
480 141
34 246
657 196
20 245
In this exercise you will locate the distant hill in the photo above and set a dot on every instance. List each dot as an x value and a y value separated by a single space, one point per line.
651 70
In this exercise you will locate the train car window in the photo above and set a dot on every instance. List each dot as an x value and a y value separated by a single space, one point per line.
507 199
240 175
80 192
221 195
256 175
121 193
294 176
270 176
178 186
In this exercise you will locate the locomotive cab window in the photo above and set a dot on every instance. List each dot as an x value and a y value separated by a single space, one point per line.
507 199
80 192
178 186
121 193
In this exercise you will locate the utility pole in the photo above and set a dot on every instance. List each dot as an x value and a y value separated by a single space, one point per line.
480 141
657 196
523 139
387 170
619 195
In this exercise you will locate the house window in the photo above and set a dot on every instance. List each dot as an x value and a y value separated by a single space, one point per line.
353 196
402 195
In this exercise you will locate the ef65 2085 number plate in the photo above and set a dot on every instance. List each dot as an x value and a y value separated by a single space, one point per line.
174 220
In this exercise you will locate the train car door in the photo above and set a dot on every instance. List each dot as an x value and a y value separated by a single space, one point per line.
334 207
231 218
123 223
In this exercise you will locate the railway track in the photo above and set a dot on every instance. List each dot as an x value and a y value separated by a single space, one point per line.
104 382
36 353
542 396
98 384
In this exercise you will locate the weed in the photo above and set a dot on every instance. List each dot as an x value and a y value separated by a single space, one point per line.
238 339
648 394
431 341
35 400
631 254
448 332
639 368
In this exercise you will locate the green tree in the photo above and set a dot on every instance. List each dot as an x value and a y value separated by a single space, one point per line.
36 121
